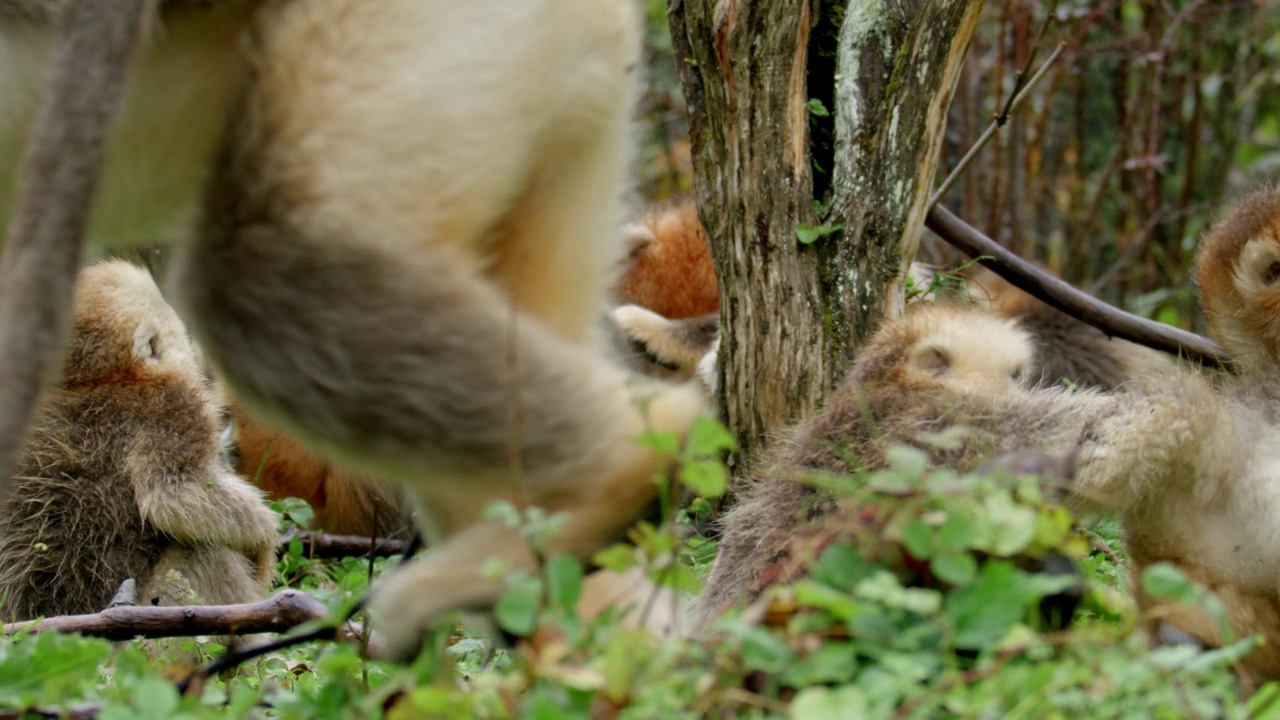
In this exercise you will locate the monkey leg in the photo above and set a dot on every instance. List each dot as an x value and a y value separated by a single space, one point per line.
459 573
638 602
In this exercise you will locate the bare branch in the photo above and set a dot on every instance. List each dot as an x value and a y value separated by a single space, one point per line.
1062 296
277 614
322 545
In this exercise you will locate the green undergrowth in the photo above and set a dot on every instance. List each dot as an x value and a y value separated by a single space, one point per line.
923 600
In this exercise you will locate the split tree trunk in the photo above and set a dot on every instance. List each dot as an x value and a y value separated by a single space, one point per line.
811 118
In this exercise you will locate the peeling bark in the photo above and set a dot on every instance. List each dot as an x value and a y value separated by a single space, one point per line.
815 118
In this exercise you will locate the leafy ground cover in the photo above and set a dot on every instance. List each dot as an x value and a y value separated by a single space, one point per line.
932 610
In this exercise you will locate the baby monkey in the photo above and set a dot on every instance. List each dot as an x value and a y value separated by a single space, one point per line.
123 474
938 368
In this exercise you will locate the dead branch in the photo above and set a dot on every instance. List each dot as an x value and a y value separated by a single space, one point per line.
280 613
323 545
1062 296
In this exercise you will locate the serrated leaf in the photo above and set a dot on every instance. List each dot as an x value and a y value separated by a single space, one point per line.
817 109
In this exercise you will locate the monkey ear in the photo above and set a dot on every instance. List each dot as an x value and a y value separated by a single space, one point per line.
146 343
932 359
636 238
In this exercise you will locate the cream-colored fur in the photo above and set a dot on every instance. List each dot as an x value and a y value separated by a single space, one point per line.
406 227
1193 470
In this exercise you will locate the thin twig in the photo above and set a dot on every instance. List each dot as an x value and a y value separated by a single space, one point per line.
323 545
995 127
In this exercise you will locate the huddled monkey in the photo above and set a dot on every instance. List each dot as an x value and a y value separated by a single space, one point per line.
939 367
123 475
1066 348
405 274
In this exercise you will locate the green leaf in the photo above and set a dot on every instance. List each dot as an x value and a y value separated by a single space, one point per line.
709 437
665 443
955 568
517 610
620 557
817 109
764 651
958 532
838 604
708 478
564 580
833 662
155 698
917 538
841 567
808 234
984 611
1164 581
820 703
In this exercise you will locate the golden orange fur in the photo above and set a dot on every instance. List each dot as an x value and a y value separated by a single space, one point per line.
670 270
1238 273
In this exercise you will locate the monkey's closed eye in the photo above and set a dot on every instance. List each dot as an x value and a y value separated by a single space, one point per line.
1017 374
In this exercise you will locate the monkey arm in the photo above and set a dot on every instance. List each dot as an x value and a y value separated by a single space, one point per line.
1173 434
200 503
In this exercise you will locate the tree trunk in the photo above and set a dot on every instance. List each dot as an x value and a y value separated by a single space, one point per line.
811 119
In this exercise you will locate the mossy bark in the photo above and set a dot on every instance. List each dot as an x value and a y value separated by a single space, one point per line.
811 119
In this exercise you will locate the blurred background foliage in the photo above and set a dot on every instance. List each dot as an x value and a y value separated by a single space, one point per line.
1155 116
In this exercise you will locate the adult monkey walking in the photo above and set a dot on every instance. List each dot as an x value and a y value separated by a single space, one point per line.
407 230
